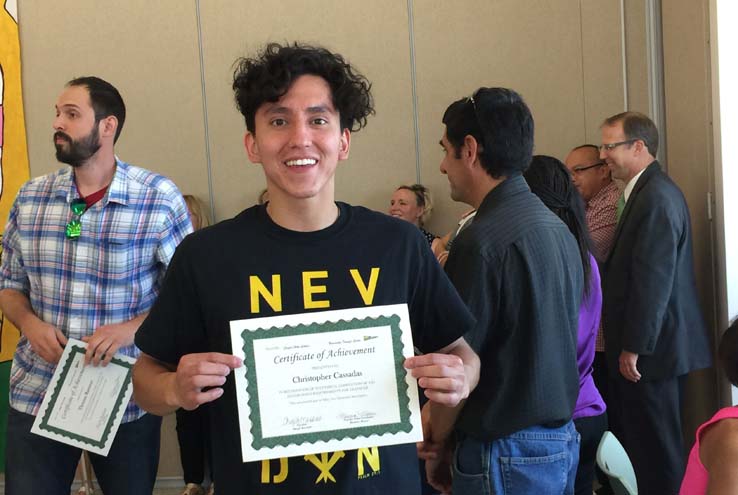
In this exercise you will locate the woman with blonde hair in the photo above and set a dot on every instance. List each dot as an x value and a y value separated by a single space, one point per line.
413 204
198 211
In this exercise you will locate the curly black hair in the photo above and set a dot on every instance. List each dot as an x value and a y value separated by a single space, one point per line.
269 75
728 352
550 180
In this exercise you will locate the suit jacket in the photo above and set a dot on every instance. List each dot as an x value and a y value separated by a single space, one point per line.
650 303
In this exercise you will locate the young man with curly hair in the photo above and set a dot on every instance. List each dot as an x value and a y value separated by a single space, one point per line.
300 105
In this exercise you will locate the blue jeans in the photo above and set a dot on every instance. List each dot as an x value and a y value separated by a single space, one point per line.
536 460
35 464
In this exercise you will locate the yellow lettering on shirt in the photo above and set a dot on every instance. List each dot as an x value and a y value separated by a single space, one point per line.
308 290
367 292
372 458
266 471
273 298
325 464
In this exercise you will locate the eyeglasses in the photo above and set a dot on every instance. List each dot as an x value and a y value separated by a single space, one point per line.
611 146
579 168
74 227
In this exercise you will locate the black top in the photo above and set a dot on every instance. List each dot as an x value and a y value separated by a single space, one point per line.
210 281
430 237
517 266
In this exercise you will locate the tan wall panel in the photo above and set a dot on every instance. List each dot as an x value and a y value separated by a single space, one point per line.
531 46
689 141
603 68
371 35
636 56
169 463
149 51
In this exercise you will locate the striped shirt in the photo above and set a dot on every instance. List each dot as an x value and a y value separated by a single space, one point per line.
110 274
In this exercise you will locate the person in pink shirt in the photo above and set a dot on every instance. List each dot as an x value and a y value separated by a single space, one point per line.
711 468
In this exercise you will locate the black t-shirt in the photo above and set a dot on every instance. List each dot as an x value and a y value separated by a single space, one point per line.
208 285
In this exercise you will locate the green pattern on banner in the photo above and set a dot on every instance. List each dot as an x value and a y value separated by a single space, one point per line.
4 397
14 171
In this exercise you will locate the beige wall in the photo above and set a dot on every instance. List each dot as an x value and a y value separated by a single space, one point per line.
564 57
540 50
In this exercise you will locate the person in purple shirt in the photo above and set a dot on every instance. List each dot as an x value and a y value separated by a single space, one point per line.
549 179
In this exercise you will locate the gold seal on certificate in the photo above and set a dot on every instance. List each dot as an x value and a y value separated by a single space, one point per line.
325 381
84 405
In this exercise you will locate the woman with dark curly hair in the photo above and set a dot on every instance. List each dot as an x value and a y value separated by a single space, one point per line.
549 179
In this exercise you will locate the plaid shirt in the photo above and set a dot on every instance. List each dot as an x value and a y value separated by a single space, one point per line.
110 274
602 222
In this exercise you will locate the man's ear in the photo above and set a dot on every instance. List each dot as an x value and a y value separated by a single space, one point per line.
640 146
108 126
252 148
470 149
344 144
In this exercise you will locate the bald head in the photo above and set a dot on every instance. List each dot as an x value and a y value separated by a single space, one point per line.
588 172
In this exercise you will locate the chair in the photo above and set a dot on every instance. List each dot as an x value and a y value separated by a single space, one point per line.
614 462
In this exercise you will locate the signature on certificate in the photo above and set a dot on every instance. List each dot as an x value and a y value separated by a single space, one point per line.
357 417
300 420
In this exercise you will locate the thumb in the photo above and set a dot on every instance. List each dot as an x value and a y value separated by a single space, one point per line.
228 359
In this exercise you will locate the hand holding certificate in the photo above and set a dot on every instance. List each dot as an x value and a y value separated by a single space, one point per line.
84 404
200 377
325 381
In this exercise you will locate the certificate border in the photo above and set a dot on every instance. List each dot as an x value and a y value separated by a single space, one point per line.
44 423
249 336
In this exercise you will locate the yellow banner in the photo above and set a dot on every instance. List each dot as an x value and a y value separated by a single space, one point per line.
14 169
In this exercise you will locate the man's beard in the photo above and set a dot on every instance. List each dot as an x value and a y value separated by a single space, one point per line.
77 152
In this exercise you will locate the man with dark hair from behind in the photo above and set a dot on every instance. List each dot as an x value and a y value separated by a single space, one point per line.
518 268
84 252
300 105
654 330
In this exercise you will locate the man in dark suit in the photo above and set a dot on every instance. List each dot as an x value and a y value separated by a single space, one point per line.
654 330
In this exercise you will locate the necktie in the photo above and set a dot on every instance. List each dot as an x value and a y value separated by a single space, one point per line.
620 206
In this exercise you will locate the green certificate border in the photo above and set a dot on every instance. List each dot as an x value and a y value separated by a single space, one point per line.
44 423
403 399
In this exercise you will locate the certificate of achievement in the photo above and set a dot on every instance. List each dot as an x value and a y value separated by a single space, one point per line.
325 381
84 405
